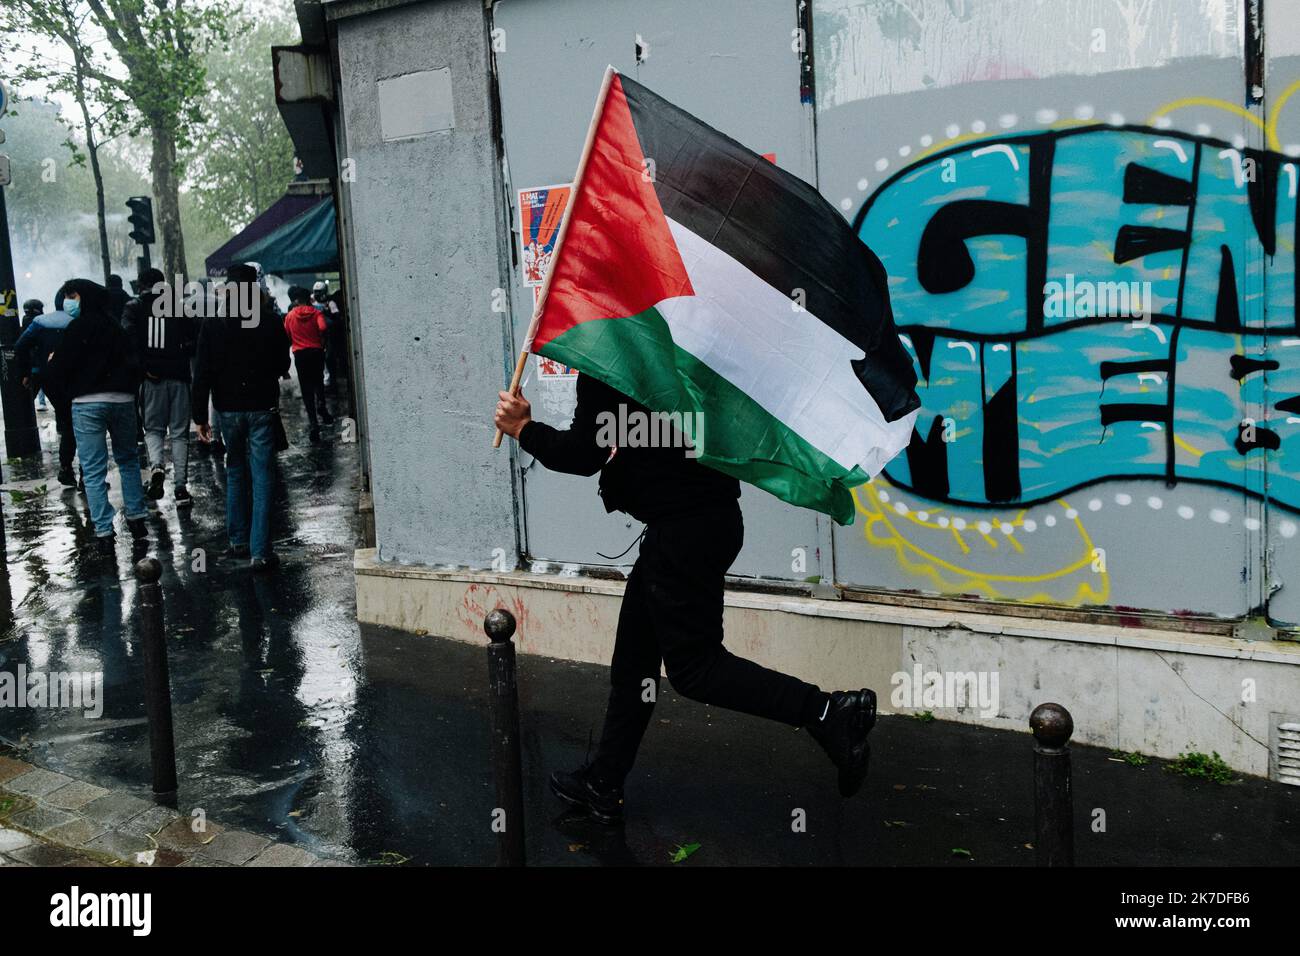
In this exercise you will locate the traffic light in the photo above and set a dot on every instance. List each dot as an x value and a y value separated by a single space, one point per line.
141 219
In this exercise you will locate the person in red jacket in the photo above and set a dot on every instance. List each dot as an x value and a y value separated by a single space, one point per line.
306 327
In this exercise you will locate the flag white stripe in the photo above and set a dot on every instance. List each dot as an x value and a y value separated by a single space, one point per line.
790 363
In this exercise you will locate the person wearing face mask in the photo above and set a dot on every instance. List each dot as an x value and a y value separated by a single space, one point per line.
97 371
41 336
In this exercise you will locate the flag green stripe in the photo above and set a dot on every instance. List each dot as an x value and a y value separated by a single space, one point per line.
637 356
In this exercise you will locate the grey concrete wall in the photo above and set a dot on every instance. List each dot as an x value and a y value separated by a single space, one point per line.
551 57
895 85
425 213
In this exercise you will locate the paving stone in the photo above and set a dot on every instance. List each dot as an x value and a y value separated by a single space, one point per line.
13 803
235 847
283 854
178 835
12 840
10 768
114 809
77 832
41 819
151 821
43 854
203 861
5 861
37 783
122 846
74 796
330 863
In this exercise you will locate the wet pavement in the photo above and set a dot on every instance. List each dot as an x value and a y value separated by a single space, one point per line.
370 745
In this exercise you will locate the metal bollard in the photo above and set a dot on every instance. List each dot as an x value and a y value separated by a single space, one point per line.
1053 794
157 683
507 766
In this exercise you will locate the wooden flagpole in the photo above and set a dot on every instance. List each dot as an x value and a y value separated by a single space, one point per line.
610 73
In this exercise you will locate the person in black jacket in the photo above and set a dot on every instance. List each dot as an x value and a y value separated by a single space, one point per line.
166 344
40 339
97 371
118 297
672 605
239 362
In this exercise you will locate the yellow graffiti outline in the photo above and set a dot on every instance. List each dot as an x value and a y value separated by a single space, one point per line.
1269 126
967 578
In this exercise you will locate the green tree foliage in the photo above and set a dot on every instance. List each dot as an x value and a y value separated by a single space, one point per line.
243 156
148 75
52 198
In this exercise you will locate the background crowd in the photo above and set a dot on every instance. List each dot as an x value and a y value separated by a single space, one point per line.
120 372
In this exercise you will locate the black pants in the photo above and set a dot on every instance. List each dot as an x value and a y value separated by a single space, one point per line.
67 440
311 379
672 612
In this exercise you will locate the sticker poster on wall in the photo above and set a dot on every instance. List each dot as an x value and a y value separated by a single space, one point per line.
540 211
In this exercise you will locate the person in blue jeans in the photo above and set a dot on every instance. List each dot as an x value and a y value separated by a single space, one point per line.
95 368
250 481
238 363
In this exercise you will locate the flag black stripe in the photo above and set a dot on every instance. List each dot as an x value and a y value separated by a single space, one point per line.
782 230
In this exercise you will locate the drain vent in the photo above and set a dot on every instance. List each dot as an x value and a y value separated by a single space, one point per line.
1284 743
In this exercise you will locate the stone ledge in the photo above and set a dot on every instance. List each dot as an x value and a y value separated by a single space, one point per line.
366 563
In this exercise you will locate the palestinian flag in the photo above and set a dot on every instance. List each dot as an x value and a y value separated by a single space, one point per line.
695 276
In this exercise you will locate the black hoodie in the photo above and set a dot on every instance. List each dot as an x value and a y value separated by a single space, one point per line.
649 483
239 366
95 353
165 343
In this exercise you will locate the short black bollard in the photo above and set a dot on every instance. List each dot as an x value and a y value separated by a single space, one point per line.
1053 794
507 767
157 683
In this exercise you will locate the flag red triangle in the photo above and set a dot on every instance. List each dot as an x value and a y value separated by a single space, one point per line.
617 257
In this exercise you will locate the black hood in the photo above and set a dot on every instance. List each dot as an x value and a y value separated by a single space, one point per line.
94 297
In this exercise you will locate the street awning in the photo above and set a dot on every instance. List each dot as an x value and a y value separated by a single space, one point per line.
284 212
307 243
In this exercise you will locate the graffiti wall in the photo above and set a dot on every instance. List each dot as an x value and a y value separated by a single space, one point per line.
1088 215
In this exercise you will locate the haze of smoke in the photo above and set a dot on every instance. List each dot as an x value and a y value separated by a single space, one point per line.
39 273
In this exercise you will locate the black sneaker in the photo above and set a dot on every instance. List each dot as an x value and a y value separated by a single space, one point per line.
155 487
843 735
263 565
66 478
235 551
102 547
182 497
580 788
313 435
325 417
139 530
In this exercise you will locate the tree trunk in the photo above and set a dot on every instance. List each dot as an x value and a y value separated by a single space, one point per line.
167 199
93 150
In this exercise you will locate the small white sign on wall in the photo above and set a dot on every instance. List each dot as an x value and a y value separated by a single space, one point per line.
415 104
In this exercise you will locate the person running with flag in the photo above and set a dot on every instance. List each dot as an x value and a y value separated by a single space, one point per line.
695 280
